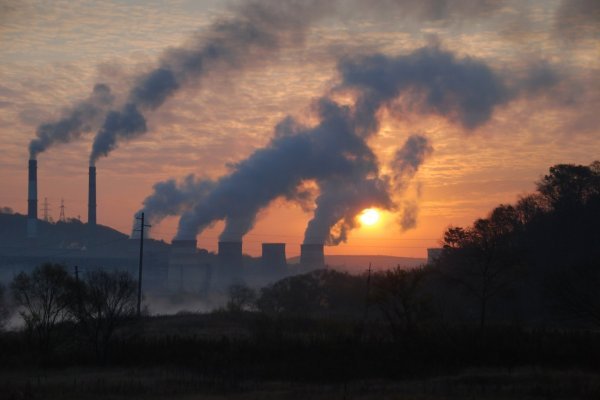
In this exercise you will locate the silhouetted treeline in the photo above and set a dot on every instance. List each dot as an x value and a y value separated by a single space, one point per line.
536 262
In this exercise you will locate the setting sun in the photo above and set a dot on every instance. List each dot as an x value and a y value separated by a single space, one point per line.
369 217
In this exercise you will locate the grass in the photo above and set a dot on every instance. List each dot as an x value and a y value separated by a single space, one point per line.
185 384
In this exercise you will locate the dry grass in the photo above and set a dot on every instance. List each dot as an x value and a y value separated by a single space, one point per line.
172 383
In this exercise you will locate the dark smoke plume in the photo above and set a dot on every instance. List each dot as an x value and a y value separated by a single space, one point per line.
335 153
338 204
404 166
170 198
407 160
256 31
294 155
85 116
463 90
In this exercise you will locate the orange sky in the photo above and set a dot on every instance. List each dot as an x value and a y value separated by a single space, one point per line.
53 53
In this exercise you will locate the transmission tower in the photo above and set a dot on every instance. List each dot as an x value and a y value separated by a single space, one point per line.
62 217
46 210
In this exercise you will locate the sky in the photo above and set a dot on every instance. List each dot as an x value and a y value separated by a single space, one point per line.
545 54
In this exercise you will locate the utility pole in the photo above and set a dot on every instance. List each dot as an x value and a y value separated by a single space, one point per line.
141 230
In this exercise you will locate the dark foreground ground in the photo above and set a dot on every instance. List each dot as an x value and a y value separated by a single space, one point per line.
173 383
250 356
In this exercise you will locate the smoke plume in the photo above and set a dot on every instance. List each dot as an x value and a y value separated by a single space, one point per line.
407 160
295 154
464 90
404 166
84 116
256 31
171 198
335 153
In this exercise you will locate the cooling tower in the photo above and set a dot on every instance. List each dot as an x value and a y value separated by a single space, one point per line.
273 255
187 271
32 201
312 255
92 198
230 255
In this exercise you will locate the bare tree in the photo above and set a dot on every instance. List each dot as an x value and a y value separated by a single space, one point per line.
241 297
484 259
398 294
4 310
43 298
102 301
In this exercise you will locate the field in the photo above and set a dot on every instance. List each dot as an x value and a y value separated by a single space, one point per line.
176 383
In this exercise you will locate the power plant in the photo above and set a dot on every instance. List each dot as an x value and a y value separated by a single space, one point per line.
32 200
273 255
189 269
312 255
179 267
92 197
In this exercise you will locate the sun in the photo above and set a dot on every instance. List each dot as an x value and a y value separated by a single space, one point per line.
369 216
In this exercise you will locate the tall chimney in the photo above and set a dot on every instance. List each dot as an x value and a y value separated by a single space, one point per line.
32 201
312 255
273 255
92 198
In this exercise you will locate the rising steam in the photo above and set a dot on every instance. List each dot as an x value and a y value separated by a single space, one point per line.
256 31
335 153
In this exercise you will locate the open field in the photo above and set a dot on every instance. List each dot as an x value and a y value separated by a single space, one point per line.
175 383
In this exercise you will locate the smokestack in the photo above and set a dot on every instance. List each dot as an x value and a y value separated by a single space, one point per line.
230 255
92 198
273 255
312 255
32 201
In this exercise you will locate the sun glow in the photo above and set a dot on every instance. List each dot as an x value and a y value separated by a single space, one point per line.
369 216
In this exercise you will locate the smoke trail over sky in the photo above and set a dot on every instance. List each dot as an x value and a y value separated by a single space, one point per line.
404 166
464 90
408 158
85 116
256 31
295 154
171 198
335 154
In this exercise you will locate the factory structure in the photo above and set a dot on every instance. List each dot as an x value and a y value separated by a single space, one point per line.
168 268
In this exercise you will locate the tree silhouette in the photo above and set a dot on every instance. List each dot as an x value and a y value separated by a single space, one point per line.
398 294
100 302
484 259
43 297
4 309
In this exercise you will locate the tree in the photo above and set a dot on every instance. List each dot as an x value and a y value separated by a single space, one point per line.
43 297
319 292
4 311
576 292
102 301
398 294
484 258
568 186
241 298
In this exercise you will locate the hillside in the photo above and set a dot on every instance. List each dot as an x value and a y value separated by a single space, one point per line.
71 235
